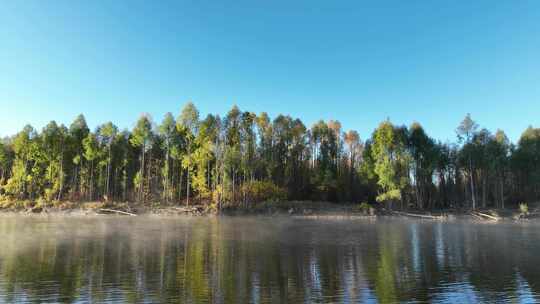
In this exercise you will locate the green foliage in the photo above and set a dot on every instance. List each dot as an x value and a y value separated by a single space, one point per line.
524 208
261 191
246 157
391 161
363 207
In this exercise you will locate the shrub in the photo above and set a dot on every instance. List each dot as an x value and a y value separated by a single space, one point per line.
261 191
363 207
218 195
524 208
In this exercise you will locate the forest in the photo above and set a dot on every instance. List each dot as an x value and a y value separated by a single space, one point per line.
244 158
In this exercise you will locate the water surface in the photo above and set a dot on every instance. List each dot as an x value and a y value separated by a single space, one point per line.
266 260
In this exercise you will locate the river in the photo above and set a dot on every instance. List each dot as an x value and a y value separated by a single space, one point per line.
266 260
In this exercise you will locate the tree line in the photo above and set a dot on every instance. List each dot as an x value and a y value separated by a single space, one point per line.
243 158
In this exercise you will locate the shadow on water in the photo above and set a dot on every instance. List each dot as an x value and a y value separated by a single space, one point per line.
266 260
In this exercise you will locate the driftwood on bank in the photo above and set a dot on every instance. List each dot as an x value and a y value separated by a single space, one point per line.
483 216
187 209
117 211
426 216
194 210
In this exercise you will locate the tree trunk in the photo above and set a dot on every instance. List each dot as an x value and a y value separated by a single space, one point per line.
471 177
92 180
108 173
61 173
180 184
484 188
419 202
187 190
141 182
74 181
502 192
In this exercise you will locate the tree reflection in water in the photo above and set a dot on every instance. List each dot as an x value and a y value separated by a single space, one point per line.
265 260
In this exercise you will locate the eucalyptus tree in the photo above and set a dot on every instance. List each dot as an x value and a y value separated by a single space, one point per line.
335 127
248 144
5 162
232 161
78 131
388 150
215 157
124 159
424 158
203 155
354 152
141 137
465 132
188 124
352 140
298 165
324 151
367 179
282 140
22 144
107 134
210 131
170 140
479 151
526 164
446 173
53 138
498 151
92 153
265 145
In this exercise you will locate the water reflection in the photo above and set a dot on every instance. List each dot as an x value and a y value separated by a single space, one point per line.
265 260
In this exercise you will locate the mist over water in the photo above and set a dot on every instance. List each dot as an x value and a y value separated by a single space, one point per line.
266 260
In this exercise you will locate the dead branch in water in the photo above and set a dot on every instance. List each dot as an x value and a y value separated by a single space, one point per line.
117 211
433 217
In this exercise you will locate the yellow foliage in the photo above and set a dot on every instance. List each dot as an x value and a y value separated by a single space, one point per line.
260 191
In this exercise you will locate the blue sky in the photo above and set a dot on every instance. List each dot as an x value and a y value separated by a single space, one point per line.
357 62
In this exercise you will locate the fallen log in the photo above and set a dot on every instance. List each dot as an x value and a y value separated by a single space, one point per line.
184 208
117 211
484 215
477 216
188 209
433 217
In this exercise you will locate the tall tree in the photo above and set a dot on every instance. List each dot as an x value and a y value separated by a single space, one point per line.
390 157
170 139
424 155
232 155
141 137
188 124
78 131
92 153
497 151
465 131
108 132
354 149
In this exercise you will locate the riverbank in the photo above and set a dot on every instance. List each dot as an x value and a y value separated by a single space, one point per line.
304 209
296 208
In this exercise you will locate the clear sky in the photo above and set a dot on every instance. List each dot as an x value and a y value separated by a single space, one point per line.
357 62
